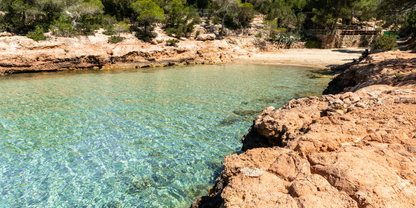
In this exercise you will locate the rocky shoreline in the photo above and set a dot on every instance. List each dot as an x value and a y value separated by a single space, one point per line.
353 147
19 54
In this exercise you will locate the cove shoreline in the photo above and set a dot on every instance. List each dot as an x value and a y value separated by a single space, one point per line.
323 151
19 54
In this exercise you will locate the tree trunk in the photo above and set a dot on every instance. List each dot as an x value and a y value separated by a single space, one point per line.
222 21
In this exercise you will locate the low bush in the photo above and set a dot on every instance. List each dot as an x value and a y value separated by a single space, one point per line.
258 35
115 39
109 30
230 23
286 39
89 29
172 31
197 33
385 42
121 27
62 27
37 34
313 43
65 30
145 35
281 30
107 20
172 42
216 21
180 31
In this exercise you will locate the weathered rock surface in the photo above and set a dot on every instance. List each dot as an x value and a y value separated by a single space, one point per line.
20 54
205 37
389 68
354 149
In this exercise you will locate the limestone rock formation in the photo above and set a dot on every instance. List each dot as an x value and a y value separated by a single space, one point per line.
205 37
353 149
21 54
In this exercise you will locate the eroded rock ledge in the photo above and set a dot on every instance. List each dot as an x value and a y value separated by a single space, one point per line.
352 149
20 54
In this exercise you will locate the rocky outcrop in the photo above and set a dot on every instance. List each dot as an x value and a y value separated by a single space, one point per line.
205 37
352 149
20 54
389 68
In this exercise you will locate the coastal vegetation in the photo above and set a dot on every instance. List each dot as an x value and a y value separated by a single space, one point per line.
313 43
385 42
178 17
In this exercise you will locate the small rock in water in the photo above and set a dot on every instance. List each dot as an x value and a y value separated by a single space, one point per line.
252 172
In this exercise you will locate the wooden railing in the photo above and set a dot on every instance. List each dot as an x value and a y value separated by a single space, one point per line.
359 32
316 32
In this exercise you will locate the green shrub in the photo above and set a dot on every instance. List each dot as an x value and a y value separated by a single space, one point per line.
315 43
258 35
197 33
409 26
37 34
121 27
385 42
181 30
62 27
145 35
286 38
178 32
107 20
270 24
115 39
96 26
89 29
281 30
65 30
109 30
230 23
172 42
216 21
197 20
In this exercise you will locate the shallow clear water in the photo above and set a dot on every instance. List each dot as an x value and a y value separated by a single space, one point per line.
130 138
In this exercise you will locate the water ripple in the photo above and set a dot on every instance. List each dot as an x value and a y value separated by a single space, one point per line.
130 138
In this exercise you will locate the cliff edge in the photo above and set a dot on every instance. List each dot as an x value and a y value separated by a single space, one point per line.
354 147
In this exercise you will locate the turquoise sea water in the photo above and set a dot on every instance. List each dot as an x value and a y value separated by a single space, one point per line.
130 138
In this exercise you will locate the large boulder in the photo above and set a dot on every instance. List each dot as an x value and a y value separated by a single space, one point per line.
6 34
205 37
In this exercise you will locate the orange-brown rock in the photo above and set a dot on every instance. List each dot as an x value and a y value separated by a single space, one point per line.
20 54
389 68
354 149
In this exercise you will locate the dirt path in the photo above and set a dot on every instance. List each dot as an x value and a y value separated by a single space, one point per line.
318 58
